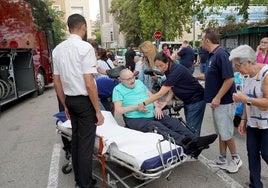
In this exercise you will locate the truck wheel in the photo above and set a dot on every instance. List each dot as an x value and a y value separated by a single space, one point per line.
6 89
40 79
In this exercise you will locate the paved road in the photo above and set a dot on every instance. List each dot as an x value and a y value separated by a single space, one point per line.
31 154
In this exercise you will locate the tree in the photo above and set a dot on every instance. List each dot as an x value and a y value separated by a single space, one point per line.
44 15
59 26
139 19
126 14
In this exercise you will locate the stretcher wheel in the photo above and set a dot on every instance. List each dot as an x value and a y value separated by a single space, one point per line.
67 168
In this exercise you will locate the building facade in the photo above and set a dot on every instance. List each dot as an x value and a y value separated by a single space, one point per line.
70 7
110 35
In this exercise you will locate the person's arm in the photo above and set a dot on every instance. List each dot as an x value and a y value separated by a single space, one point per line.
242 127
60 93
227 84
200 76
121 109
257 50
259 102
154 97
198 58
93 95
168 99
101 70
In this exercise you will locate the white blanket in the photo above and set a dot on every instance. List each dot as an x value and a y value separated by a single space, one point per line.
131 146
134 146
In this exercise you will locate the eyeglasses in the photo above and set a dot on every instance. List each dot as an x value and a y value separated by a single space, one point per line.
128 79
237 65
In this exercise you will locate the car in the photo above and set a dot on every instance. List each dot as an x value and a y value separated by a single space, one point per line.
170 44
120 56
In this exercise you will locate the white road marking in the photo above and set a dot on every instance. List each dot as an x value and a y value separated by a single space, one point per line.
54 167
230 182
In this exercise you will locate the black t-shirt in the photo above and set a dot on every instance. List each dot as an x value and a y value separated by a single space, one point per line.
129 56
184 85
203 55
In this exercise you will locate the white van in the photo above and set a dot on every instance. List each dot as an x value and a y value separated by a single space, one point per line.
170 44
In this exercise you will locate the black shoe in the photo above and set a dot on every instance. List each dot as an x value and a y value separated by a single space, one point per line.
186 140
196 153
189 144
204 141
68 155
94 181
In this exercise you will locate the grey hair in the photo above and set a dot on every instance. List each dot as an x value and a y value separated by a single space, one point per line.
124 71
244 53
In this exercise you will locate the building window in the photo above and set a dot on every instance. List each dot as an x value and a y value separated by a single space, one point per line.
77 10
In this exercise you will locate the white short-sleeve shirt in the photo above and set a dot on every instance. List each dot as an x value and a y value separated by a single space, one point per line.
72 59
101 63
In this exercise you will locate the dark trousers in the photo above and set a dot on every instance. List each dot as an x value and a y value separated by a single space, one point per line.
167 125
83 118
257 145
65 141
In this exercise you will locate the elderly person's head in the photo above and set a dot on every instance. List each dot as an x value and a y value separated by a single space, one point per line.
242 57
127 78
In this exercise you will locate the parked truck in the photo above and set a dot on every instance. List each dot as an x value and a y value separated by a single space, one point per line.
26 43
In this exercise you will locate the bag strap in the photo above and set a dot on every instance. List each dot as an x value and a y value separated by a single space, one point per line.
108 64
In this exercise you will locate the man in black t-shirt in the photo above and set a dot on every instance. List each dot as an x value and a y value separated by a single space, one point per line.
129 56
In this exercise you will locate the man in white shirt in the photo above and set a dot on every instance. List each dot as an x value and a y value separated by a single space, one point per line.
74 66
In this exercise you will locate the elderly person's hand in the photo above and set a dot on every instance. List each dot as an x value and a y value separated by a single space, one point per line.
142 108
242 128
158 113
239 97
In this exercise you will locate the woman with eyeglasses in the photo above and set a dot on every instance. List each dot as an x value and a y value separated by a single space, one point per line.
254 120
262 51
180 83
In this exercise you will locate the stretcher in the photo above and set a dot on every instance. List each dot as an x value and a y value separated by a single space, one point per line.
148 156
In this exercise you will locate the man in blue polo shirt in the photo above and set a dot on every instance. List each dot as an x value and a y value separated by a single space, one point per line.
186 56
219 89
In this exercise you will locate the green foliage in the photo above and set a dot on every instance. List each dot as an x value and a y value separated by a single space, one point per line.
59 26
139 19
98 37
46 18
126 13
41 14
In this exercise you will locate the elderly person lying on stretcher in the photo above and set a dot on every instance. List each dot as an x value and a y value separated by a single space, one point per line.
126 97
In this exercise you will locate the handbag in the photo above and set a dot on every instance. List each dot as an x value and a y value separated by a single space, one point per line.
115 72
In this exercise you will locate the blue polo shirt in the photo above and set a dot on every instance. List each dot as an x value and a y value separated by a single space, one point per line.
105 87
187 56
184 85
219 68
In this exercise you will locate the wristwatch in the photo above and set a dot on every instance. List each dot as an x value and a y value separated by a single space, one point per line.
249 100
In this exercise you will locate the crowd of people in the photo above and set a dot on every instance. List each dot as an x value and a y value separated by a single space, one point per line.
84 89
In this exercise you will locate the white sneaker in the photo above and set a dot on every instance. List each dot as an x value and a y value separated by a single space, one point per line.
219 162
234 165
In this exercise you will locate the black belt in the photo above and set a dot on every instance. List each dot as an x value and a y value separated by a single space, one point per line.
76 95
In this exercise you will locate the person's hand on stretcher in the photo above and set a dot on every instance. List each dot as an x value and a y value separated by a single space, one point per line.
158 110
